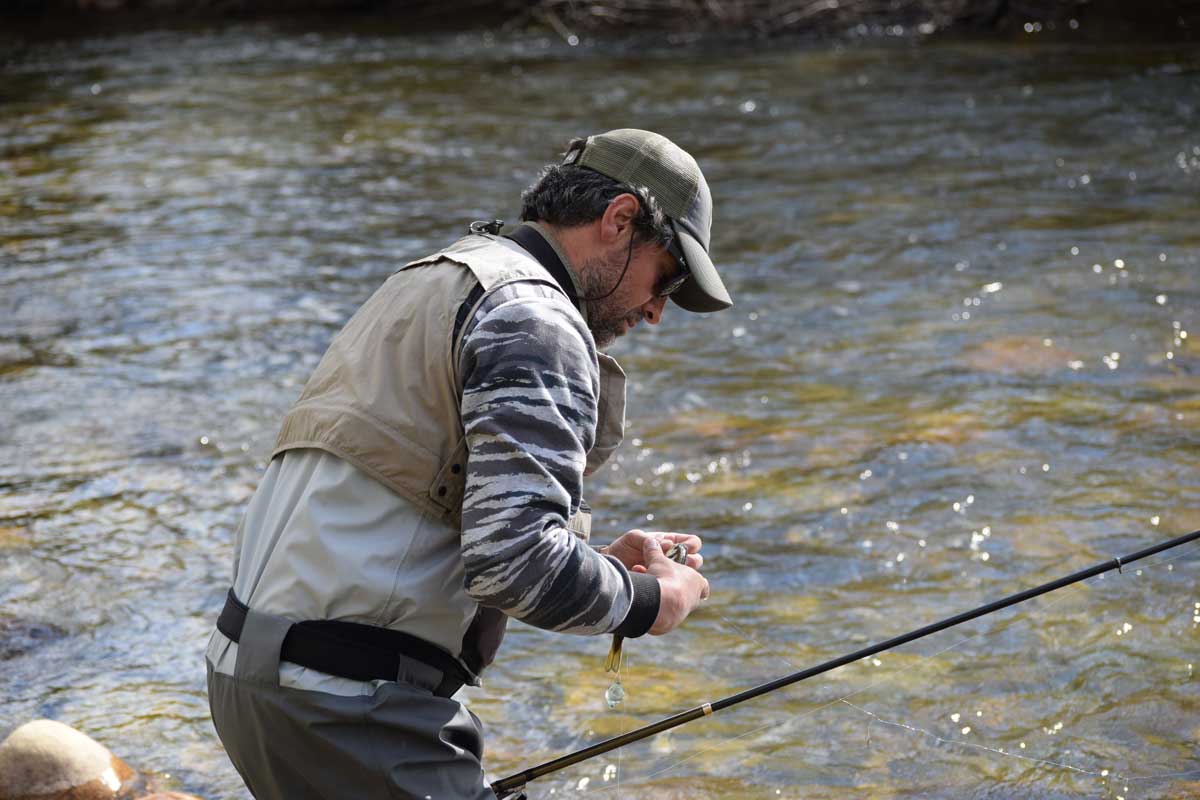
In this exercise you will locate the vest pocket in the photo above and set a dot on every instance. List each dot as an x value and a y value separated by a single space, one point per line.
610 413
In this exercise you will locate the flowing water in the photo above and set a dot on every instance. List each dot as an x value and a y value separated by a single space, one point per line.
964 359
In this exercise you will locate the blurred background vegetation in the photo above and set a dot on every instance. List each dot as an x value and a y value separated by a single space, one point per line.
1174 19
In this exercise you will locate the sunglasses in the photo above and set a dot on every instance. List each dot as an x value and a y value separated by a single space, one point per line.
671 285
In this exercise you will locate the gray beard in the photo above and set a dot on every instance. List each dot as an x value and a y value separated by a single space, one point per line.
605 318
604 329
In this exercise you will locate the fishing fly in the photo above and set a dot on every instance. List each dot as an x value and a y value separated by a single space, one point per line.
615 694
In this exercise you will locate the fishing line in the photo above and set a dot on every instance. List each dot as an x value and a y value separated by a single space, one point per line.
619 765
1163 777
729 623
1071 593
507 786
843 699
1000 751
878 682
1105 774
999 628
750 732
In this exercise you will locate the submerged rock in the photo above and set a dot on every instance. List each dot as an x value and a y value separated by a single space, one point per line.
1018 355
11 538
18 637
1182 790
47 760
15 356
938 427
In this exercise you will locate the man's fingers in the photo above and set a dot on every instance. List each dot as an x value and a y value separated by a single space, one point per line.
688 540
637 535
654 550
695 562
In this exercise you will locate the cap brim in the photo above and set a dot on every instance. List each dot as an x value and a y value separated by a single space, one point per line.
704 291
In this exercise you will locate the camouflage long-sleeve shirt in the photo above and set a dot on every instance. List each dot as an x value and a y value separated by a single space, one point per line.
531 384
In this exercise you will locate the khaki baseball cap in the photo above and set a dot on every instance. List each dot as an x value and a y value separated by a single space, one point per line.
644 158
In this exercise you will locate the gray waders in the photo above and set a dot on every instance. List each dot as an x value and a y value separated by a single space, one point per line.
400 742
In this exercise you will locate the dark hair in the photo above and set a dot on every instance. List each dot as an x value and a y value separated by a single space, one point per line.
569 196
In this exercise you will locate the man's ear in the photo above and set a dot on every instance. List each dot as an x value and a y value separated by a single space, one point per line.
621 211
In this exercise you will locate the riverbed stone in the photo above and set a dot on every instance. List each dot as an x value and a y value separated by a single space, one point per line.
1019 355
18 636
13 538
1182 790
15 356
47 760
168 796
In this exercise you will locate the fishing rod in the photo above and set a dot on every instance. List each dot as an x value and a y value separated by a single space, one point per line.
513 785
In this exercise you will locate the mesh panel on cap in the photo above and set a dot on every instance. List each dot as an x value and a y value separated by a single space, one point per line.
650 160
673 190
610 156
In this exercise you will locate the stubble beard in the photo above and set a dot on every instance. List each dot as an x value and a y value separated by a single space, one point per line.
607 318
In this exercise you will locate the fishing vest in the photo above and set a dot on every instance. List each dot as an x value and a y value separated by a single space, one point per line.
386 395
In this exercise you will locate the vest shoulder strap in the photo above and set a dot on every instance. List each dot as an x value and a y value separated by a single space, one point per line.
493 260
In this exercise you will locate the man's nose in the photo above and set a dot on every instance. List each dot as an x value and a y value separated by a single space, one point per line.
653 309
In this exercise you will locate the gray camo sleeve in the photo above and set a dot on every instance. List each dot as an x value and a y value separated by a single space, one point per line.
530 385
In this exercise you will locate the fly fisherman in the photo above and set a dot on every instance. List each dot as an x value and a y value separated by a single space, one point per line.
428 485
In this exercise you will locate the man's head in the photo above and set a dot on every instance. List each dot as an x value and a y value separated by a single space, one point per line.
633 212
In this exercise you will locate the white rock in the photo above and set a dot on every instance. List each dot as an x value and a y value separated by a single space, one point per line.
46 760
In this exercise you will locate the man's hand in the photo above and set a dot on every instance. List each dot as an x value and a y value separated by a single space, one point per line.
682 588
629 547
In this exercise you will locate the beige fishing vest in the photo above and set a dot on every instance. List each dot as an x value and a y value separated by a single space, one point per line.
386 395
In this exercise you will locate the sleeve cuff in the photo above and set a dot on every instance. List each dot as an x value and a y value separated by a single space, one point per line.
644 608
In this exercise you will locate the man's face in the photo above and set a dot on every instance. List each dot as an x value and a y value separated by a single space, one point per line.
635 299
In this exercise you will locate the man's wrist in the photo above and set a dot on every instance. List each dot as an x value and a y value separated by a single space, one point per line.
643 609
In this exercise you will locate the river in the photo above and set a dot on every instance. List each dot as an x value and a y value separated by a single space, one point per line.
963 360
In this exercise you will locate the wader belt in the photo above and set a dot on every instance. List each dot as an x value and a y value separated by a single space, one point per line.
352 650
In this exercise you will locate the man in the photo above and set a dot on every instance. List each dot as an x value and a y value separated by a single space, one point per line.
427 485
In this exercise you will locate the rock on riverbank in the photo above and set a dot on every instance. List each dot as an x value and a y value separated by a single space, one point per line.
47 760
